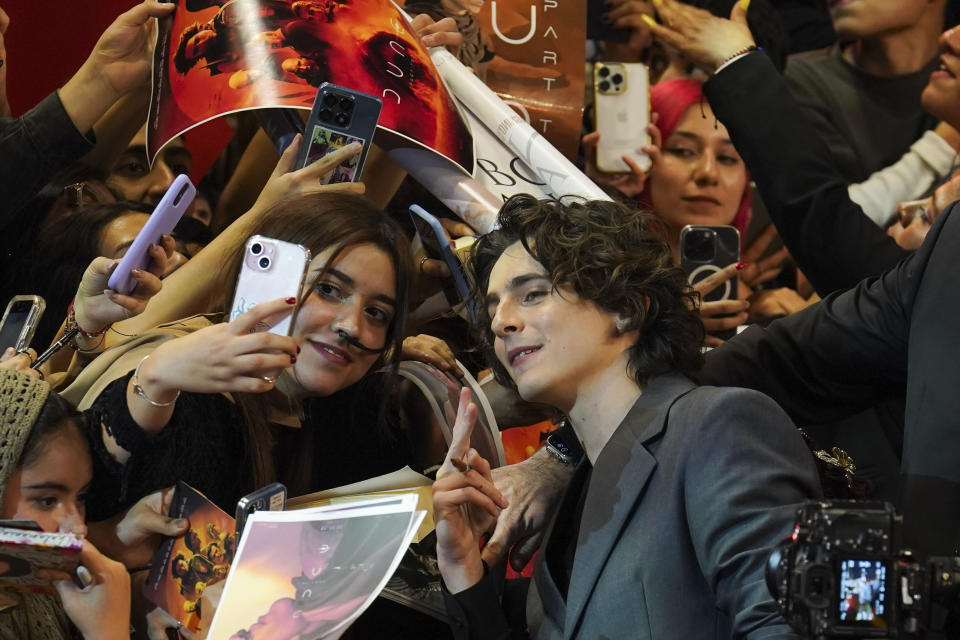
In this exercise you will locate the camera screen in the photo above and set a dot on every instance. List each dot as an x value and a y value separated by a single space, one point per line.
863 592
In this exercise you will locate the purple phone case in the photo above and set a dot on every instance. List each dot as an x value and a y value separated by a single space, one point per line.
163 219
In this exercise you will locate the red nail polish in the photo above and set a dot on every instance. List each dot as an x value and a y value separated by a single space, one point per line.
293 359
298 348
291 299
741 265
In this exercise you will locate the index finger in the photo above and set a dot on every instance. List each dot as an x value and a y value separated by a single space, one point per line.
146 10
462 430
714 280
248 321
329 162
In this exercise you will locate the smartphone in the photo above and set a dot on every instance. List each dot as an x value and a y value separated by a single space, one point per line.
705 250
272 497
163 219
20 321
340 116
437 247
271 269
621 98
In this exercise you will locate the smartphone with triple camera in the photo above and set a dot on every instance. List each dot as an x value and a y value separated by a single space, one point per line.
20 321
622 112
339 117
271 269
272 497
164 218
705 250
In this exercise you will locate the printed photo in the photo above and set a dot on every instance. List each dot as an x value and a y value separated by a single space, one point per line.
324 141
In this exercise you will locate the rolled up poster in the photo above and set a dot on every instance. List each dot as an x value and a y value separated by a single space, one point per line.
563 178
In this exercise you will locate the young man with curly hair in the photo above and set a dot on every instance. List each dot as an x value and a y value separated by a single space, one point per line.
683 491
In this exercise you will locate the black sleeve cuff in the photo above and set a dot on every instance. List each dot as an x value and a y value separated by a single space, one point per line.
475 613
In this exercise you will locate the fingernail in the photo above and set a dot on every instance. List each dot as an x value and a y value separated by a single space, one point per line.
744 4
657 3
298 348
741 265
182 523
648 20
293 359
138 272
9 352
290 300
110 293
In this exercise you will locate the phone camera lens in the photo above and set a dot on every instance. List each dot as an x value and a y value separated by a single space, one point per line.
346 104
256 248
264 262
342 119
325 114
329 100
604 86
603 72
617 78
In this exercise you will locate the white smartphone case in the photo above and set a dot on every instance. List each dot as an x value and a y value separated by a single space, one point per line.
271 269
622 113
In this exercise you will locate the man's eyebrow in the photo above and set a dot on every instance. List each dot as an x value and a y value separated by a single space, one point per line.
136 149
696 138
347 280
517 282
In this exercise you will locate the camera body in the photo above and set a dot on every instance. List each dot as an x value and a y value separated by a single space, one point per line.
840 574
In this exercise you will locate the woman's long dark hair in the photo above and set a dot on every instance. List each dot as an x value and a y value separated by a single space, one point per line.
319 222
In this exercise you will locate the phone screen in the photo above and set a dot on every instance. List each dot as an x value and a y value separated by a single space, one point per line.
13 326
324 141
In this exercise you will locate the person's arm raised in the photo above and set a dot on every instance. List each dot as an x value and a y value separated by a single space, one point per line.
222 358
190 289
119 62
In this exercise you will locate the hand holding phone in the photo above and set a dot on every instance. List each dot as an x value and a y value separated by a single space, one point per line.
437 247
339 117
622 110
271 269
163 219
707 251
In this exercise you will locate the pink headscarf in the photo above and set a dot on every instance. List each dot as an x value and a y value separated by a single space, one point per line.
671 99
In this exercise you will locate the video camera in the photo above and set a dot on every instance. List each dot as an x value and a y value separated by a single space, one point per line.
841 574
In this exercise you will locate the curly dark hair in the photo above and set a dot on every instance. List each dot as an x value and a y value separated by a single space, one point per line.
607 254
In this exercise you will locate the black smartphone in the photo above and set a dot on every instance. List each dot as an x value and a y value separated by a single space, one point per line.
339 117
705 250
272 497
20 321
280 125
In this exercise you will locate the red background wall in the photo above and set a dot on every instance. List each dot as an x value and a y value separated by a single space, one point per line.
48 40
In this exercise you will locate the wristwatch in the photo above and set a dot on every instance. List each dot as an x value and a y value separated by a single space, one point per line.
563 445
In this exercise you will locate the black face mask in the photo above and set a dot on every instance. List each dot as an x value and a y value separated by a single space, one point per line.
349 339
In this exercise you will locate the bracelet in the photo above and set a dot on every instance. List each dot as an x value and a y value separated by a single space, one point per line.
137 389
740 52
72 322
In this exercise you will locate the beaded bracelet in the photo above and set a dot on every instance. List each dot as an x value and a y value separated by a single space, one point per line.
739 53
72 322
137 389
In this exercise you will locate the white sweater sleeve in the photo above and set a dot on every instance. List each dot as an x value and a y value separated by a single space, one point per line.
909 178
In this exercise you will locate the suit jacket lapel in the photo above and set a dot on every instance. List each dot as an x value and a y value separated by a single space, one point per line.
619 477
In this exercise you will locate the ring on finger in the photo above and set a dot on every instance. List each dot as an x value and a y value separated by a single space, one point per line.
422 260
26 352
270 379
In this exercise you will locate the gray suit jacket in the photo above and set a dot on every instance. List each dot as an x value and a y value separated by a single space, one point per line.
684 505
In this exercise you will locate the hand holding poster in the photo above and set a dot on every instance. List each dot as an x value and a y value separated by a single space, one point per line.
219 56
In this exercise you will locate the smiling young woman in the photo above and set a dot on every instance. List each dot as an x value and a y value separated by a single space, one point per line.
206 407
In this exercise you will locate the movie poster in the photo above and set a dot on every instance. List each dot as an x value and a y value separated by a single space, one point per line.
184 567
534 52
309 573
530 53
218 56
